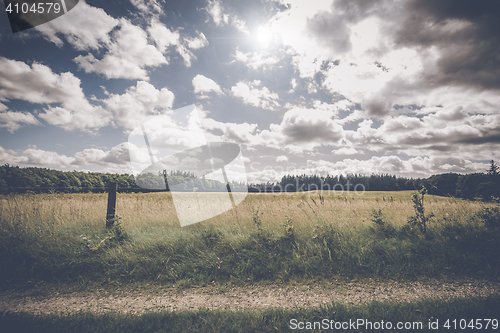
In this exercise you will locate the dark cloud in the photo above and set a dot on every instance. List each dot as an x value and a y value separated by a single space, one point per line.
304 132
479 140
450 164
356 10
440 148
392 164
377 107
466 32
330 30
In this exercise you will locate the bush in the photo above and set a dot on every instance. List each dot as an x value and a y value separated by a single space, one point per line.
381 225
491 218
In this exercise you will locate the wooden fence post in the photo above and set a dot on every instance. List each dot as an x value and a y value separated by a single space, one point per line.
110 216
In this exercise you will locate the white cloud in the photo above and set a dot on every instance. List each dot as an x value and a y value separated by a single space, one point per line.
293 85
252 95
115 159
147 6
255 60
203 84
85 27
342 105
290 25
301 130
162 36
13 121
89 156
413 167
239 24
216 12
138 103
87 117
38 84
34 156
441 133
191 43
241 133
8 156
282 158
116 156
46 158
306 129
196 43
128 54
386 53
345 151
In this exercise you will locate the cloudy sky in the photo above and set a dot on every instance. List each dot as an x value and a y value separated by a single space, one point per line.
402 87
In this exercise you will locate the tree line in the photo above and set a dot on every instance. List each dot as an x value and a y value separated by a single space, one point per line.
14 179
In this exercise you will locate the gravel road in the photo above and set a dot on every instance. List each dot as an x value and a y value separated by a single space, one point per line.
242 297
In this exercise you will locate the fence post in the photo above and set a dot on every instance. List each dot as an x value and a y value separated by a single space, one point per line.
110 216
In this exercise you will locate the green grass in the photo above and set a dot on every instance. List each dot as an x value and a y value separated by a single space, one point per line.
61 238
270 320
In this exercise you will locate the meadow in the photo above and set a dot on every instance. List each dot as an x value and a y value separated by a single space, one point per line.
59 242
61 238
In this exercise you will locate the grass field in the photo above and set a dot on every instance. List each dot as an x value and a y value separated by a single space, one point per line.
61 238
59 241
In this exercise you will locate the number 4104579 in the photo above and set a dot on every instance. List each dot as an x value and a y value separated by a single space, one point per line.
39 8
472 324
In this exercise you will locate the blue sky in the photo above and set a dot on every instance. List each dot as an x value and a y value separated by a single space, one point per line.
401 87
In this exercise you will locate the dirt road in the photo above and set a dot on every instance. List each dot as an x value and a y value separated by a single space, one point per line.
244 297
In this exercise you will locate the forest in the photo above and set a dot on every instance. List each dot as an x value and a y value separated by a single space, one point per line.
15 179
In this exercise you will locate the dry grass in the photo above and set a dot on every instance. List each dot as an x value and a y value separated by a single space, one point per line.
62 237
156 211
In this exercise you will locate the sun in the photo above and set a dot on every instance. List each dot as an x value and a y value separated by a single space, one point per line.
263 35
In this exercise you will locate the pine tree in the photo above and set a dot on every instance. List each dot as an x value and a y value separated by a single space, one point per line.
493 170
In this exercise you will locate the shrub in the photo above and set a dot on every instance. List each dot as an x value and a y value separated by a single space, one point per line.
378 217
381 225
491 218
420 219
288 226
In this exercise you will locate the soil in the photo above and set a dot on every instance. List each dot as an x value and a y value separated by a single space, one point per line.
242 297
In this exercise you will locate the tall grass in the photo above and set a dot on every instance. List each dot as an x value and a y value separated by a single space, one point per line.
62 238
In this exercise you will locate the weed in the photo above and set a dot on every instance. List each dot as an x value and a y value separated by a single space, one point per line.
378 217
381 225
211 237
288 226
115 235
256 217
420 219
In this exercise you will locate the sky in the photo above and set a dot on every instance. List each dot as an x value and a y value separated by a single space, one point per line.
410 88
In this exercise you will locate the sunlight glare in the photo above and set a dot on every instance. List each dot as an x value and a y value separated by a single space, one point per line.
263 35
